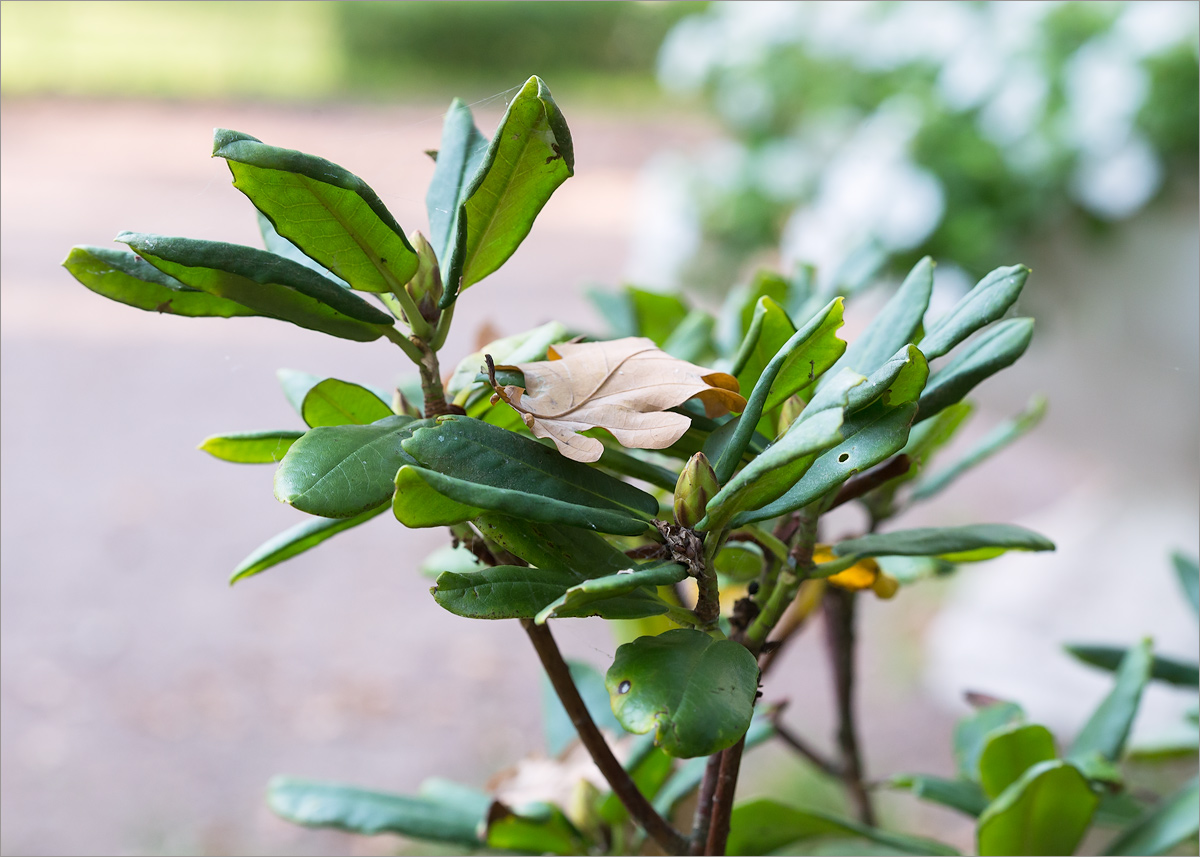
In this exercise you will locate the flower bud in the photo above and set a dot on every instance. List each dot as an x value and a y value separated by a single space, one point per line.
425 287
885 586
696 486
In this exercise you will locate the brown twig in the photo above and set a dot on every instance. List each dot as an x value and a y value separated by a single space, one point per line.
704 805
839 628
854 488
718 831
667 837
803 748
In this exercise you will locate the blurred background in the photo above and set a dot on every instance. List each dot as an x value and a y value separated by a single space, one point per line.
145 703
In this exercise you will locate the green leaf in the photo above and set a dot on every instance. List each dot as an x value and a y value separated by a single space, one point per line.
1046 811
557 727
623 582
869 446
692 338
127 278
1011 750
553 545
1108 728
954 544
526 347
462 151
536 829
762 826
280 246
1174 820
269 284
996 348
296 385
695 692
970 735
770 329
520 592
990 299
340 471
995 440
329 213
296 540
251 447
528 158
1162 668
895 326
625 464
739 561
657 314
339 403
317 804
457 558
1188 572
963 795
898 381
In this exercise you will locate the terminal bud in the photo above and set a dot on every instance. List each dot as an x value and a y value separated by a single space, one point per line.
696 486
425 288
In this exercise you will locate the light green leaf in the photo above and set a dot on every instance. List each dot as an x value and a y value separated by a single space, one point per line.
695 692
990 299
1108 728
326 211
420 499
340 471
127 278
251 447
899 380
296 540
540 828
954 544
770 329
971 733
268 284
1176 819
280 246
965 796
996 348
462 151
624 581
338 403
529 157
1046 811
296 385
457 558
317 804
1188 572
1162 668
1011 750
657 314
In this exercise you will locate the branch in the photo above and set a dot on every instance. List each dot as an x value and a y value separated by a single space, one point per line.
872 479
718 832
667 837
802 747
839 627
704 805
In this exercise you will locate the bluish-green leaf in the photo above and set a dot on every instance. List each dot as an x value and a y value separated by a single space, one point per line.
990 299
966 796
954 544
1046 811
1011 750
462 151
339 403
1187 570
762 826
528 158
970 734
296 540
1108 728
125 277
895 326
318 804
328 212
251 447
340 471
996 348
269 284
1176 819
692 339
624 581
695 692
520 592
1162 668
296 385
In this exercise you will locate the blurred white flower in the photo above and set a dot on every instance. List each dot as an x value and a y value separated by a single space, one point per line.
1115 184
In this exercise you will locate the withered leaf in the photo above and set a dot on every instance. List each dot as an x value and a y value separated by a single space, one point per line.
624 386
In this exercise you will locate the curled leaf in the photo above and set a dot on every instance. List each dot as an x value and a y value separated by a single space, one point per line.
624 386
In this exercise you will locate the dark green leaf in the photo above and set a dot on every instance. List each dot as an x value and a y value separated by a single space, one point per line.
269 284
990 299
316 804
537 829
1174 820
127 278
1011 750
955 544
339 403
695 692
529 157
1108 728
627 580
895 326
326 211
997 347
626 464
1188 572
1046 811
970 735
462 151
964 795
762 826
340 471
296 540
520 592
557 727
1162 668
251 447
553 545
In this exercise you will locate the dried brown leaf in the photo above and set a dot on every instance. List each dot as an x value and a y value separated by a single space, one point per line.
624 386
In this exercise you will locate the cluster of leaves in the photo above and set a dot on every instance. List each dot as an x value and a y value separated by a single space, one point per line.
701 525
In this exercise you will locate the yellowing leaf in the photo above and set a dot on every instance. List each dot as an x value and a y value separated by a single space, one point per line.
624 386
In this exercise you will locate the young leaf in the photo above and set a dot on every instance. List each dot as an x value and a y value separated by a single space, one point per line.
971 733
317 804
1162 668
1176 819
1046 811
268 284
770 329
999 346
990 299
462 151
530 156
955 544
1009 752
254 447
965 796
1108 728
519 592
579 596
899 380
326 211
340 471
296 540
624 386
127 278
695 692
339 403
